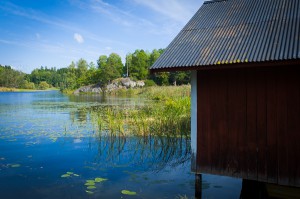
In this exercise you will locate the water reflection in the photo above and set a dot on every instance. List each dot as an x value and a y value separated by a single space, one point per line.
44 135
152 153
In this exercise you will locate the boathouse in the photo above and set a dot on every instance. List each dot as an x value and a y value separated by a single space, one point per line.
245 59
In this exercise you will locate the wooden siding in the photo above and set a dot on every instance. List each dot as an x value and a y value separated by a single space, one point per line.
249 124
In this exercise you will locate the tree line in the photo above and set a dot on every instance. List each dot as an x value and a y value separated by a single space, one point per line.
82 73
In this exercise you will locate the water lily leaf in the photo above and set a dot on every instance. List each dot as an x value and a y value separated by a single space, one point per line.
127 192
89 192
100 179
91 187
90 181
15 165
76 175
70 173
65 175
89 184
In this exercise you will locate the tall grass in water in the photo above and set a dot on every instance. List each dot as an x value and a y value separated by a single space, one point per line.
168 115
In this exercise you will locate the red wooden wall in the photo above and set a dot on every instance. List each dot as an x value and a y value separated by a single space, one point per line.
249 123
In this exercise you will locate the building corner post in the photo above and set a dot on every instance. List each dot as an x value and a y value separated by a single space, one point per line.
194 120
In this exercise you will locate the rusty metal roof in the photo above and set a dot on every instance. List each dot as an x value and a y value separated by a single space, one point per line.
236 31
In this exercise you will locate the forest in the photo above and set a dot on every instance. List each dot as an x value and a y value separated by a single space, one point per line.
81 73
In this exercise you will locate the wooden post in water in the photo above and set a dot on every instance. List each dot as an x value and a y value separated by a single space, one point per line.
198 186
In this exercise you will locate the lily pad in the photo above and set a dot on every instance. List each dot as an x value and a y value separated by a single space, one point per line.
65 175
100 179
127 192
15 165
76 175
89 192
91 187
92 181
70 173
89 184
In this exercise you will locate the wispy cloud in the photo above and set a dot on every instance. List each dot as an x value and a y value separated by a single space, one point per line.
119 15
78 37
36 16
175 13
178 10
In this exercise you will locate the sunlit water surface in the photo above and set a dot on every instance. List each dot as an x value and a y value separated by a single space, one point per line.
49 148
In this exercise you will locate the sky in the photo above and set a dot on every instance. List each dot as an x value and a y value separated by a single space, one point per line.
54 33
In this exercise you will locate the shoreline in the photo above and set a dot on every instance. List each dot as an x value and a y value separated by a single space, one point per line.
18 90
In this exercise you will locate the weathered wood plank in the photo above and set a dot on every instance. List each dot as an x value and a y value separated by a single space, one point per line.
203 151
261 125
218 122
236 121
251 134
272 155
283 140
293 130
213 122
242 122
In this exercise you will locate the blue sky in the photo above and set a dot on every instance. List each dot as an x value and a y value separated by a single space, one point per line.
54 33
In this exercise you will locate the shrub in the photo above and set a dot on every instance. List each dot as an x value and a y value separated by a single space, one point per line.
44 85
149 82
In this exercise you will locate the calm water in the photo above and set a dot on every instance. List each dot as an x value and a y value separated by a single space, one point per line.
46 135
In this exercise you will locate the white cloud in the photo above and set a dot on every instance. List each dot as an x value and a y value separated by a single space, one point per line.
78 37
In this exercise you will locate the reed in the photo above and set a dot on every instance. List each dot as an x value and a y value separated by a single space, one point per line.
170 118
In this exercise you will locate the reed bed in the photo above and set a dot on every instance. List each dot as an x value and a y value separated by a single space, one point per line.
170 118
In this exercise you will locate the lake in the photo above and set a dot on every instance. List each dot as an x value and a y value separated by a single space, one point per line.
50 148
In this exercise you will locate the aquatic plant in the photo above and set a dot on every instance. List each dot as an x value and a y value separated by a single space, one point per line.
91 184
127 192
170 117
69 174
14 165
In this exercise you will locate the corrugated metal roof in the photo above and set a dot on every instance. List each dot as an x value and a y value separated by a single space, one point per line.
236 31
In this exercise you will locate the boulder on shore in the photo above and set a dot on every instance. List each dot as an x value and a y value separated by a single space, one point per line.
121 83
89 89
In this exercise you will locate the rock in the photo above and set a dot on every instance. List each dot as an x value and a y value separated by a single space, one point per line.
121 83
140 83
128 83
89 89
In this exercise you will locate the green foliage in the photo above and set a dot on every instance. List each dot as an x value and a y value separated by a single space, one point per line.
102 61
139 68
180 77
109 68
28 85
81 73
44 85
149 82
11 78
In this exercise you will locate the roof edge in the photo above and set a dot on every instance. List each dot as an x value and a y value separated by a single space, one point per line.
283 63
213 1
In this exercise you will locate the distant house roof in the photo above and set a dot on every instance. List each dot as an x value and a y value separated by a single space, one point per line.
228 32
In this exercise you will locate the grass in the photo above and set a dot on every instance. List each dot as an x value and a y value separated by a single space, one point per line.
167 115
155 92
5 89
